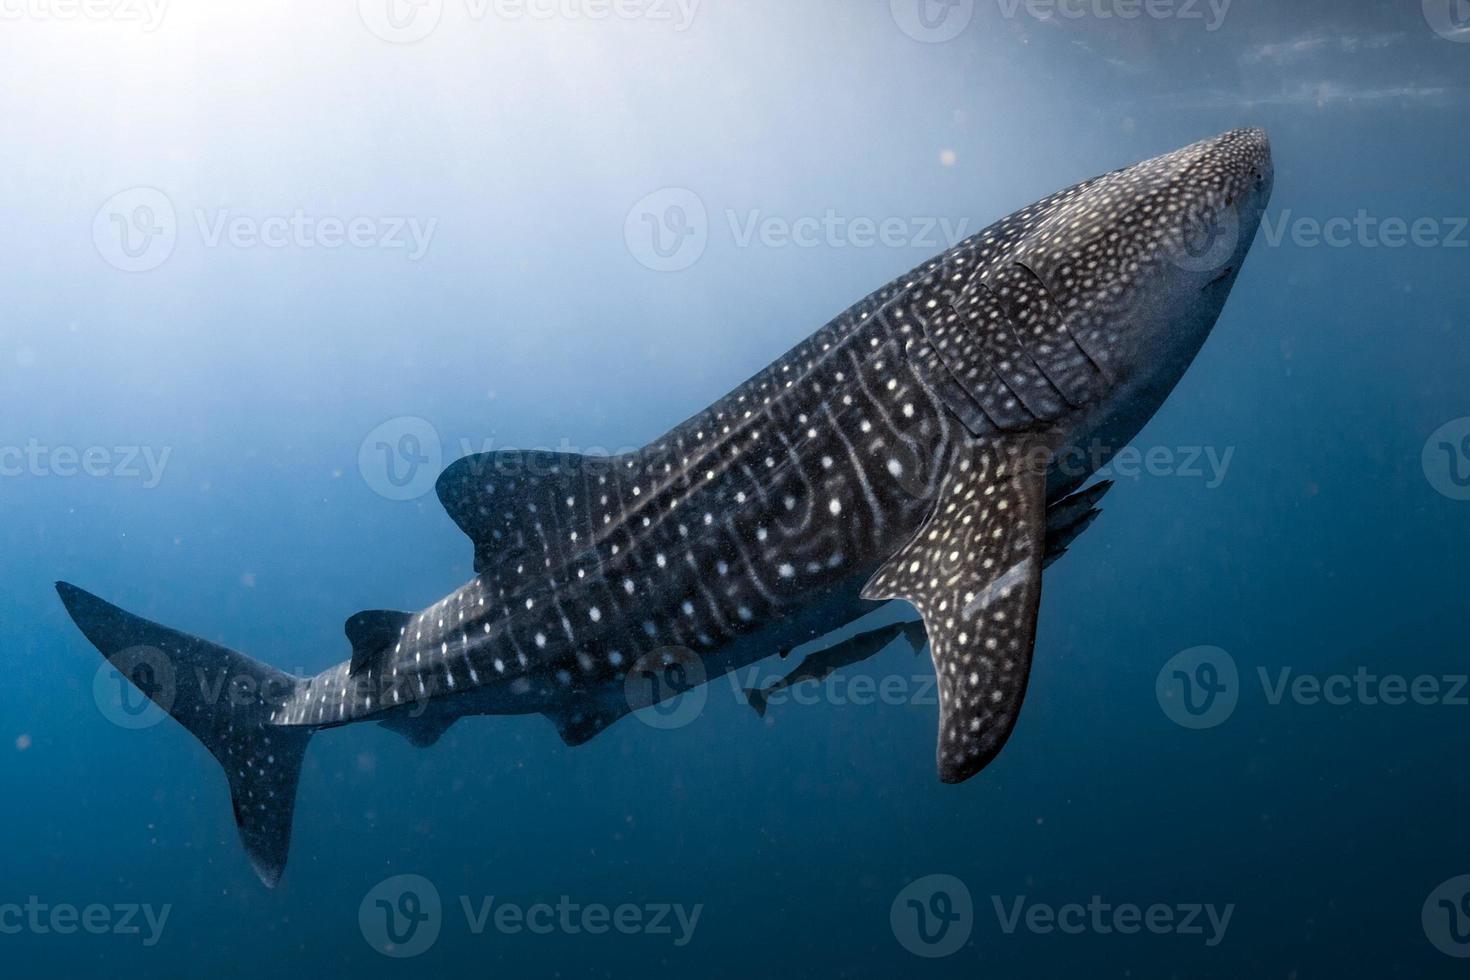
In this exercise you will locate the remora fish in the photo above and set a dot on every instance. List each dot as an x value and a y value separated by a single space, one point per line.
910 449
821 664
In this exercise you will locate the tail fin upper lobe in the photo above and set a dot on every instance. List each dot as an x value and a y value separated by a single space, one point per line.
225 700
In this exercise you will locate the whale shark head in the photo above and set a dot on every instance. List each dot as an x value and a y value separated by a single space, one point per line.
1141 260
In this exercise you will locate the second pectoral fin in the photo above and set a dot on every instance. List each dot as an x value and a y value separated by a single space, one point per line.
974 573
1069 517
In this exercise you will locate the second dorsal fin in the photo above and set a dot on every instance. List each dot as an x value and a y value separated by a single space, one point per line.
371 632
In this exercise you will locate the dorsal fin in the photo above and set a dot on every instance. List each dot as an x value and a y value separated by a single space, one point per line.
371 632
529 506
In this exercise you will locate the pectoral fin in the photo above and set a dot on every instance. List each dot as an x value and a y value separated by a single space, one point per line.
974 573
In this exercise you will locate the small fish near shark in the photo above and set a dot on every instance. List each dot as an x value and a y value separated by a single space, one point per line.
907 450
821 664
1065 522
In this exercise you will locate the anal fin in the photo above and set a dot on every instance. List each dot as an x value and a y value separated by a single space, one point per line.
420 732
582 723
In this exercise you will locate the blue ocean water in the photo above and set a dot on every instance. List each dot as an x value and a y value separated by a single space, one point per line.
268 267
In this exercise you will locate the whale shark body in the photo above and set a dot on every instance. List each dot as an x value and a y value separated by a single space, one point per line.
914 448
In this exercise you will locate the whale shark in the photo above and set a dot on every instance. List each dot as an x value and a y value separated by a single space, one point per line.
923 446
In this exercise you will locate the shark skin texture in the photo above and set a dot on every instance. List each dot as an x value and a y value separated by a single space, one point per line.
908 450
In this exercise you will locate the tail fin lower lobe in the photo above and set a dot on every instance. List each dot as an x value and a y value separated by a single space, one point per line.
225 700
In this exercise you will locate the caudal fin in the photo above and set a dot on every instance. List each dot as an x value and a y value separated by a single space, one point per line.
225 699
